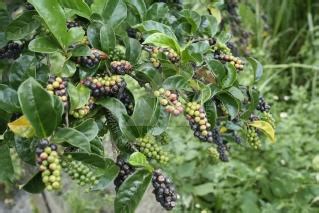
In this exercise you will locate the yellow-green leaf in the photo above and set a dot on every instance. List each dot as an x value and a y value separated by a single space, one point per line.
266 128
22 127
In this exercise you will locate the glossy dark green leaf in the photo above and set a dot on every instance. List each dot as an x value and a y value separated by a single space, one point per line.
89 128
4 19
34 185
192 18
205 94
114 12
43 110
72 137
161 124
93 34
257 68
148 74
108 174
139 159
25 149
155 27
162 40
177 82
44 45
6 171
218 70
231 103
22 26
133 50
97 146
81 50
157 12
131 192
92 159
78 6
79 96
211 111
107 37
230 77
139 6
254 98
53 15
75 36
208 25
9 101
236 92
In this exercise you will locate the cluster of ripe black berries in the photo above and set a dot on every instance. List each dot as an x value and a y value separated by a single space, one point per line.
170 101
148 146
262 105
221 147
171 55
125 170
237 62
58 86
105 85
126 98
253 138
197 118
93 59
79 172
83 111
116 55
49 165
71 24
11 51
121 67
164 190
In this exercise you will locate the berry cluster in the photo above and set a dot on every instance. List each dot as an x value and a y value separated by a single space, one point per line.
125 170
128 101
221 48
169 53
71 24
58 86
49 165
196 116
221 147
11 51
170 101
237 62
93 59
163 138
262 105
267 116
164 190
252 137
151 149
121 67
105 85
133 33
28 6
213 154
116 55
83 111
79 172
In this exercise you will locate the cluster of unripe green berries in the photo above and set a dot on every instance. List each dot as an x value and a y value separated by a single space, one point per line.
11 51
83 111
198 121
105 85
79 172
171 55
49 165
148 146
164 191
116 54
213 154
163 138
262 105
169 100
221 48
253 138
93 59
267 116
121 67
125 171
237 62
58 86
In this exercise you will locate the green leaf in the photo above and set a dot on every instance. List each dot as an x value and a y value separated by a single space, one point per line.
162 123
97 146
109 173
204 189
9 101
89 128
25 149
81 50
218 69
75 35
257 68
92 159
211 111
93 34
209 25
162 40
44 45
114 12
43 110
6 171
22 127
108 39
147 73
72 137
231 76
78 6
21 27
266 128
231 103
139 159
155 27
79 96
34 185
205 94
237 93
53 15
176 82
133 50
192 18
157 12
254 99
139 6
131 191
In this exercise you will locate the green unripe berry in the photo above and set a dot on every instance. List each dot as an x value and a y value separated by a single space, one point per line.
52 178
51 159
52 166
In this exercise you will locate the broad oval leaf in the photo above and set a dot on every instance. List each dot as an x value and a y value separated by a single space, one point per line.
266 128
155 27
43 110
176 82
230 77
131 191
114 12
6 171
133 50
25 149
93 34
22 127
231 103
79 96
162 40
9 101
78 6
139 159
44 45
107 38
257 68
89 128
34 185
211 111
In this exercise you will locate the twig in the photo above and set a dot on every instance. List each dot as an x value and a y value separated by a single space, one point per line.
46 202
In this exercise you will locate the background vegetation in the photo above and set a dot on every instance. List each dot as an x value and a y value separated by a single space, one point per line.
283 177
